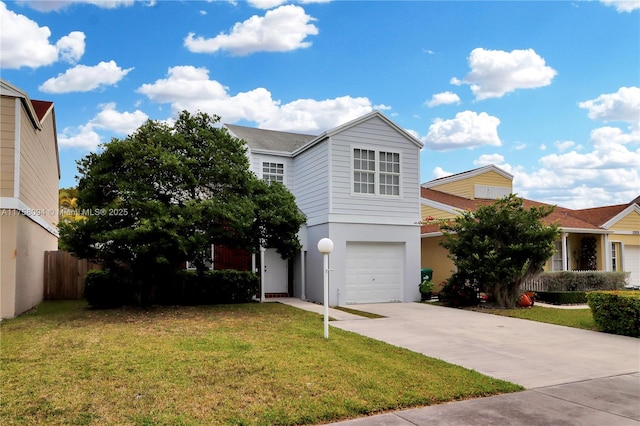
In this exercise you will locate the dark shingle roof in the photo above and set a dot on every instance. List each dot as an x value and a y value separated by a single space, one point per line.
269 140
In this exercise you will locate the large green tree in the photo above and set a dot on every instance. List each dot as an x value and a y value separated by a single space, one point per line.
499 246
162 195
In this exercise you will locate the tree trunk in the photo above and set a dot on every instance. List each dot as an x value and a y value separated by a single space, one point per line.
505 295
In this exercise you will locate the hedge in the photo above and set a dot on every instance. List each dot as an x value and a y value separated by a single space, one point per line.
582 280
102 291
110 289
211 287
616 312
562 297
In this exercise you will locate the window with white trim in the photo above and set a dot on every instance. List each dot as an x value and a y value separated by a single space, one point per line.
273 172
389 173
614 256
364 171
376 172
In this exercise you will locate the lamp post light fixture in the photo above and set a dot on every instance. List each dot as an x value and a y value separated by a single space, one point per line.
325 246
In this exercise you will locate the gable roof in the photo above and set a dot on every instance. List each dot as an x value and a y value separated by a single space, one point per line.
269 140
295 143
465 175
607 216
357 121
567 219
36 110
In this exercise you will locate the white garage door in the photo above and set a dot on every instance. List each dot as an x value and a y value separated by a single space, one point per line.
632 263
374 272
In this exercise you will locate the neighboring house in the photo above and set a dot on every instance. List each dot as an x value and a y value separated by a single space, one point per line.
612 231
29 175
357 184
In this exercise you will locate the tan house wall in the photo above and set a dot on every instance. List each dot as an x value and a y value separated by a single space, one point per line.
28 234
426 211
8 255
466 187
434 256
7 149
32 242
39 168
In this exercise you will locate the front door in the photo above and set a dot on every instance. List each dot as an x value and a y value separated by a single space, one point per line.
275 273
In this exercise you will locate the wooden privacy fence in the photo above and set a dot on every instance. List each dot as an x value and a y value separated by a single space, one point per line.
64 275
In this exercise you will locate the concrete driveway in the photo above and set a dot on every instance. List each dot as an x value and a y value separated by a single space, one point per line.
574 377
529 353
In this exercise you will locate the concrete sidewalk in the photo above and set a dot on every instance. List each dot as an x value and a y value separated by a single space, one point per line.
574 377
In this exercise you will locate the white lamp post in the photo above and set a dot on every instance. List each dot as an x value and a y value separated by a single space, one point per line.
325 246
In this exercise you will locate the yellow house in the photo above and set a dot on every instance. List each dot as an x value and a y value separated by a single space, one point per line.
29 176
603 239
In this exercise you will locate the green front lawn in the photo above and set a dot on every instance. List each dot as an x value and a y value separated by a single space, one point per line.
260 364
577 318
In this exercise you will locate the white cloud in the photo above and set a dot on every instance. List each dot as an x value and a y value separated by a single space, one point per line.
82 78
495 73
520 146
26 44
83 137
280 30
608 174
108 121
624 105
56 5
487 159
623 5
564 145
439 172
316 116
467 130
189 88
123 123
265 4
71 47
543 147
444 98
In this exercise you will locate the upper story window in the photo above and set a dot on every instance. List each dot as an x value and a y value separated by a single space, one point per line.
376 172
364 171
273 172
389 173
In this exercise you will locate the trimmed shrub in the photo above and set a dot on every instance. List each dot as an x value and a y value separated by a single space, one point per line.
582 281
616 312
103 290
459 291
209 288
562 297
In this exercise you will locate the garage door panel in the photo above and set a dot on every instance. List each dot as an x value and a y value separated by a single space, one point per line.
374 272
632 263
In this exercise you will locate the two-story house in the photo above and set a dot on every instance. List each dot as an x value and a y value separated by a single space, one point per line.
610 233
357 184
29 175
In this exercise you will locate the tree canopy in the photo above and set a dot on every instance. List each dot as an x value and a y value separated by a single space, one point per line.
162 195
499 246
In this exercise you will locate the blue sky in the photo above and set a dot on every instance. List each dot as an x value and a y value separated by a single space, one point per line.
549 90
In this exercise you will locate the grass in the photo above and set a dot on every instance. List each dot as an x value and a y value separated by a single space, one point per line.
577 318
252 364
